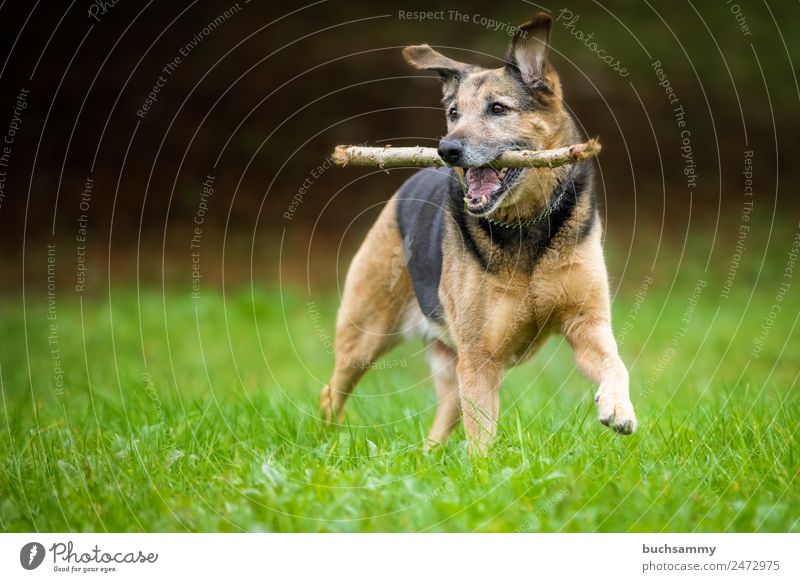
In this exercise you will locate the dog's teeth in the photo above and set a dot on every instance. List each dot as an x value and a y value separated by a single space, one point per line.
484 200
466 199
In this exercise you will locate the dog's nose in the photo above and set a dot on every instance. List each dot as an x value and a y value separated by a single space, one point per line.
451 151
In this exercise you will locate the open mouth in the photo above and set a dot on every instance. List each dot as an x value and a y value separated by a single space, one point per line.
486 186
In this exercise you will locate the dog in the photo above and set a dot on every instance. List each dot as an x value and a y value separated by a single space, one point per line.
486 263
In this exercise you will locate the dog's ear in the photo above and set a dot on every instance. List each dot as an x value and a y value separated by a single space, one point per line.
424 57
529 49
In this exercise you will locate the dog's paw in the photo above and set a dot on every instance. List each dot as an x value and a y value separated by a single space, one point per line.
616 411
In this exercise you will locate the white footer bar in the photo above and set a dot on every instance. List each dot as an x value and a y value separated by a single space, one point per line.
406 557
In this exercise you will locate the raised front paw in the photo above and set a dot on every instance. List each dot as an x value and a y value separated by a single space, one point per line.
616 411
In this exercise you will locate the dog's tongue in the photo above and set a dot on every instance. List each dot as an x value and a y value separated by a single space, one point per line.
481 182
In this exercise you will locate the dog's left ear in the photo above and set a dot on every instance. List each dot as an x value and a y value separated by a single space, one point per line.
529 51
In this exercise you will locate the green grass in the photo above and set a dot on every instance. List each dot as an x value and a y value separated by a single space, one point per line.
200 415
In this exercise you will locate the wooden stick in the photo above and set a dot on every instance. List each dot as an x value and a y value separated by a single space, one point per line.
419 157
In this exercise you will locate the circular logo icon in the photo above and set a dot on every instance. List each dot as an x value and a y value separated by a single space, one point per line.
31 555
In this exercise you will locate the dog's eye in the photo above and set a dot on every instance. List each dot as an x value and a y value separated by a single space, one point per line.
498 108
452 113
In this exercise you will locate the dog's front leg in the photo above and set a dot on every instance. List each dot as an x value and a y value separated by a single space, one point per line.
597 358
479 377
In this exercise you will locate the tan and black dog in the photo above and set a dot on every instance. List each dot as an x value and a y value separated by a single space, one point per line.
485 263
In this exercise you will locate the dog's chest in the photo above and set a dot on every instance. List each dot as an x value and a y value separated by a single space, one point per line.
511 326
500 317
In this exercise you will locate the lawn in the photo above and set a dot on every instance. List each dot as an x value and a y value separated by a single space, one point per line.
181 414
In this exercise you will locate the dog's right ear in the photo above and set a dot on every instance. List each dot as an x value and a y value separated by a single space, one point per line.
424 57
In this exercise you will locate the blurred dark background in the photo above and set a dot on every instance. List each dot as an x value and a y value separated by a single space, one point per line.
262 91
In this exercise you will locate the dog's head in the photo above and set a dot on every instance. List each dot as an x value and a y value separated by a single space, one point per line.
490 111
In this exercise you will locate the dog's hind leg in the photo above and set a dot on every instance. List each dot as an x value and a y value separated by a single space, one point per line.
359 343
376 291
443 362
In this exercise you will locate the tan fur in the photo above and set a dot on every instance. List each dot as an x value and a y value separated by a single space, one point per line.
444 361
493 320
377 290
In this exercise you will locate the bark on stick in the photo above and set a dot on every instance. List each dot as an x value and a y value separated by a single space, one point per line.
419 157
